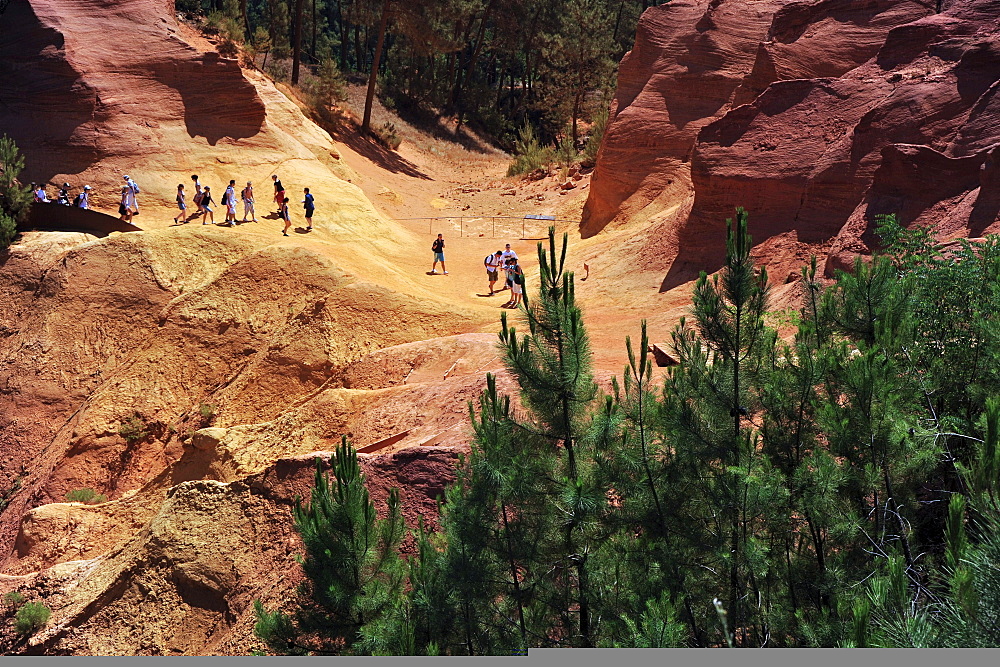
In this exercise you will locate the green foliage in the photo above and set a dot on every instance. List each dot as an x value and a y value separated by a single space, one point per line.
86 496
388 136
13 598
354 573
838 489
15 199
207 412
598 125
529 154
133 429
31 618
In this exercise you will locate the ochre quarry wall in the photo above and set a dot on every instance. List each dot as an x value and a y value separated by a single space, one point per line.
842 111
190 373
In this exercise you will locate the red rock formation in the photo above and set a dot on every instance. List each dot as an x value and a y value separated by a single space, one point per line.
851 110
67 109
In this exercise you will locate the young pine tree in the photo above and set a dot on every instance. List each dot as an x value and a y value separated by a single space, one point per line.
354 572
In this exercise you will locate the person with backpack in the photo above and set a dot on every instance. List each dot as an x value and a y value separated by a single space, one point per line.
123 207
248 208
229 201
82 200
438 249
198 194
133 194
182 216
516 284
63 195
309 204
492 264
206 205
279 192
507 255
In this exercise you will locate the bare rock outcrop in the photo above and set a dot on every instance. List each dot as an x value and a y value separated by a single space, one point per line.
844 111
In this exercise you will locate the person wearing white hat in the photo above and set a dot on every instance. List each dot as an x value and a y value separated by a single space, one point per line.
133 192
83 199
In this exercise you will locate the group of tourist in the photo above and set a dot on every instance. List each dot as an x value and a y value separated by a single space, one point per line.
203 201
502 260
82 199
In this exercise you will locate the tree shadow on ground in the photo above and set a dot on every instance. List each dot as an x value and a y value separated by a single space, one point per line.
380 155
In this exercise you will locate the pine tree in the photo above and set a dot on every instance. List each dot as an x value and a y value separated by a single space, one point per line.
354 573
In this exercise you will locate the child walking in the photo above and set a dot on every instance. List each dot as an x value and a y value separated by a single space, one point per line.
182 216
283 212
310 206
206 205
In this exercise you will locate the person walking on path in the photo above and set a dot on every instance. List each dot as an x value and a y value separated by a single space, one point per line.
123 208
492 264
198 194
283 212
64 195
506 256
517 284
182 216
229 200
83 199
279 192
248 209
438 249
309 204
133 193
206 205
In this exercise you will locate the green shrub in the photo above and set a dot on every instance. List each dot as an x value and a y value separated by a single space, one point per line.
13 598
15 199
278 69
31 618
566 151
388 136
86 496
529 154
133 430
207 412
595 138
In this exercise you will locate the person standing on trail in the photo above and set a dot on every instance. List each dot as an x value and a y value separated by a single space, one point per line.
248 209
279 192
123 208
517 284
229 199
64 195
182 216
506 256
133 194
438 249
309 204
83 199
198 194
283 212
206 205
492 264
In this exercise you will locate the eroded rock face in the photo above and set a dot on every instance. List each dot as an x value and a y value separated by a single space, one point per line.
843 112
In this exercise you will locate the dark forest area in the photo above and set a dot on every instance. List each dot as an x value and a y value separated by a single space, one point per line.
494 64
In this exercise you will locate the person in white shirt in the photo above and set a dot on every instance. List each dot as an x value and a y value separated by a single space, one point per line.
493 263
40 195
133 192
83 199
229 199
507 254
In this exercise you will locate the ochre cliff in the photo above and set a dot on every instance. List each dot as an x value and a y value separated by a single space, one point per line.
836 112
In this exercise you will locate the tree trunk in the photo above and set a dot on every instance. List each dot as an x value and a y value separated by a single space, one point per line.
344 35
373 76
297 36
246 21
471 67
312 51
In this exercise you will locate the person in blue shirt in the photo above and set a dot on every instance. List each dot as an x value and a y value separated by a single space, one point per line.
309 204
